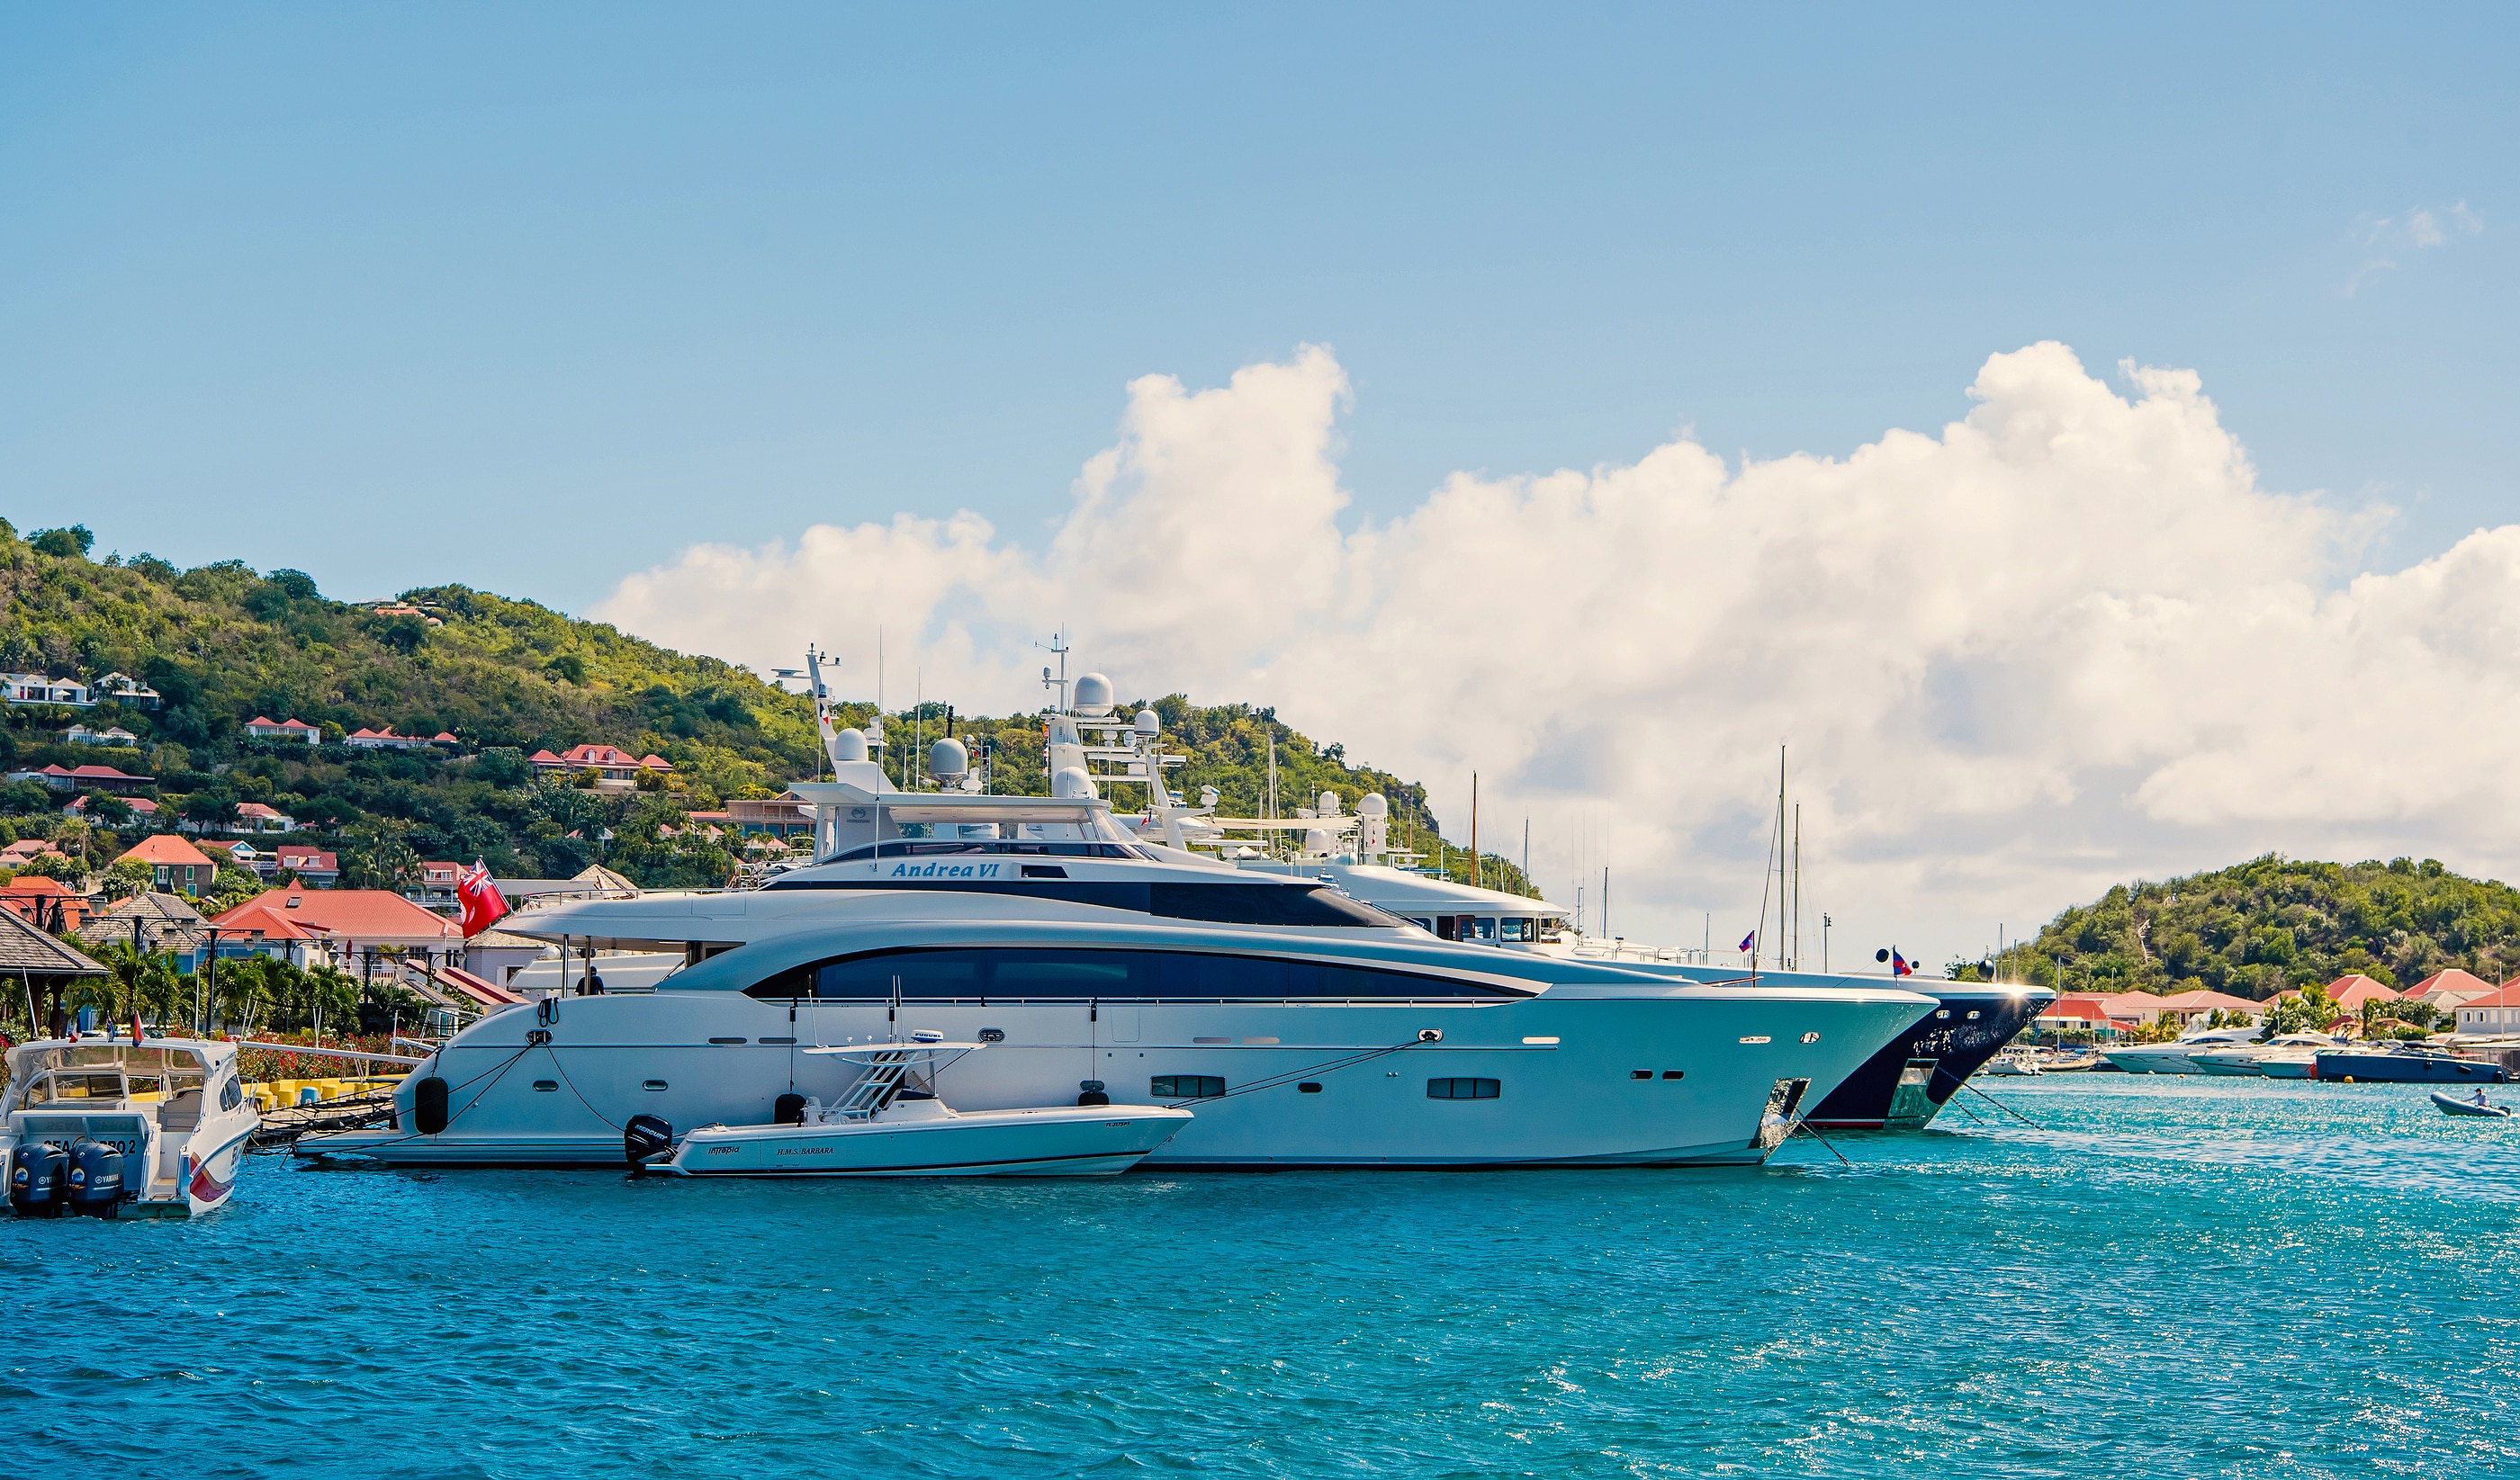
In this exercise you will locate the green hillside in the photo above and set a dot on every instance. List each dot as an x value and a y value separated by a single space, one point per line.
2254 929
223 644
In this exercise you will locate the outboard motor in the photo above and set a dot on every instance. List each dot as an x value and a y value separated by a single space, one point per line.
788 1109
428 1106
96 1177
39 1179
646 1135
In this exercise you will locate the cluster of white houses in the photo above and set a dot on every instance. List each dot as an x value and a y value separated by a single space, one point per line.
2477 1006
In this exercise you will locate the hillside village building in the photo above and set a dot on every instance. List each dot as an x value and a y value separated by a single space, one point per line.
63 777
387 739
175 866
2496 1014
38 689
314 867
47 904
123 689
81 735
614 769
265 728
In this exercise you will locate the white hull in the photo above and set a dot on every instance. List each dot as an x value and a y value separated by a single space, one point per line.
2288 1068
173 1166
2234 1065
1058 1142
1564 1063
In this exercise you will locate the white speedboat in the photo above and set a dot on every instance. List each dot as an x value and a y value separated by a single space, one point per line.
1309 1029
2013 1064
893 1123
2175 1057
2256 1058
108 1127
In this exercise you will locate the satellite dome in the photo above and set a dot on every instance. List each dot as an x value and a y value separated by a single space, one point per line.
1372 804
1071 783
1092 696
1320 841
1149 721
947 757
848 746
1329 804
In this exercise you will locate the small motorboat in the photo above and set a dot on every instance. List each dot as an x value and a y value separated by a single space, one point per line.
104 1127
890 1123
2010 1063
2452 1104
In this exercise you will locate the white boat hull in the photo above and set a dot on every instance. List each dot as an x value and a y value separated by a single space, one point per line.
2288 1068
1683 1076
1098 1141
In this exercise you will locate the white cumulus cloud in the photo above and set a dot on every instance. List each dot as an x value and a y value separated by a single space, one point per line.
2064 640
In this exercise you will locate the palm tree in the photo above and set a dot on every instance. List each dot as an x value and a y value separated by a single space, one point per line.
244 986
329 988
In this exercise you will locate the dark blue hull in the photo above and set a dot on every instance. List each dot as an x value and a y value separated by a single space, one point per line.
2409 1068
1903 1087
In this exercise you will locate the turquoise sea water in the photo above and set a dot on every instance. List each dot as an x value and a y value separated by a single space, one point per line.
2162 1276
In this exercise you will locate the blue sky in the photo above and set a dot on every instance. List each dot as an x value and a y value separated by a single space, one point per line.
533 297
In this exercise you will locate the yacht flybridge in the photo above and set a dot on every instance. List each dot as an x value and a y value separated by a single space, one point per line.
1301 1026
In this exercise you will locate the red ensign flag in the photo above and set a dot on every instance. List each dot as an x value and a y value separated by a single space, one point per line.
483 904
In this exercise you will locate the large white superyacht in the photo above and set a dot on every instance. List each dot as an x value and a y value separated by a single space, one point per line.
1298 1026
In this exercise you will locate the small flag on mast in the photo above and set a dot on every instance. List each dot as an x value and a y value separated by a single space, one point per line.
1749 940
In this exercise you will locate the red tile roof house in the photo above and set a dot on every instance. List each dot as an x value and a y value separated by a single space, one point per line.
313 867
87 778
352 924
26 850
140 806
2496 1014
2446 990
2188 1007
2077 1014
289 729
615 768
47 904
387 739
175 867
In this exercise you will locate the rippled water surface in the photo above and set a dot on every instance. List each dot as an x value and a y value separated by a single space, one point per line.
2154 1276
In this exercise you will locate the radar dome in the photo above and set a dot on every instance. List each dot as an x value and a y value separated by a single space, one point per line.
1149 721
1092 696
947 757
1372 804
1328 805
1321 842
1071 783
848 746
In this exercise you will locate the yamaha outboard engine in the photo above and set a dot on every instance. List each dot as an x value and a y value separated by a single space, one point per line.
646 1135
96 1177
38 1180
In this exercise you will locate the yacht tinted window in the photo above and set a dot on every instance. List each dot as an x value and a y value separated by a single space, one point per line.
1186 1086
1463 1089
1265 905
1050 973
1061 973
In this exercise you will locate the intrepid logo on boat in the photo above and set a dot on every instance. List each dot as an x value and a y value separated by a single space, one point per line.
946 871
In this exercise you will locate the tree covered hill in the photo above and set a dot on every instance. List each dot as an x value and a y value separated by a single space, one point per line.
2258 927
223 644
